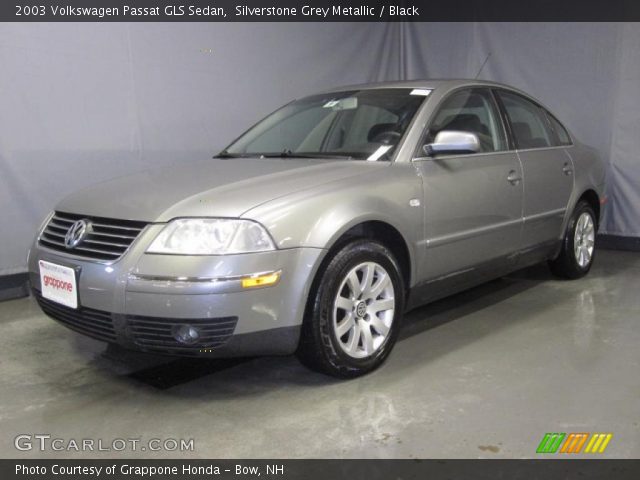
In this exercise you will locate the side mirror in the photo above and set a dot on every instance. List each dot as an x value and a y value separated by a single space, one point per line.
453 141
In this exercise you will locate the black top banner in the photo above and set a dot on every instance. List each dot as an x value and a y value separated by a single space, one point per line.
319 11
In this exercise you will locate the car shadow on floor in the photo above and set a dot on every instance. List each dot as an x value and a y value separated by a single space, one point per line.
472 300
166 373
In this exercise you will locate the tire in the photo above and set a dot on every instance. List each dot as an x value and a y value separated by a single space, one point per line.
578 245
334 338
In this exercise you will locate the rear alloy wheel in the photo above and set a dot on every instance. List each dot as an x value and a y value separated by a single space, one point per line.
352 319
584 240
578 246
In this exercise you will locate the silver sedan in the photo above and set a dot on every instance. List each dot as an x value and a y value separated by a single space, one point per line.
316 229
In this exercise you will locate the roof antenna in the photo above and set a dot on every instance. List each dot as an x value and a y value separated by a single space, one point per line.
483 64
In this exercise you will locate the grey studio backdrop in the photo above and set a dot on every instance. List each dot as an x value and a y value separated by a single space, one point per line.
82 103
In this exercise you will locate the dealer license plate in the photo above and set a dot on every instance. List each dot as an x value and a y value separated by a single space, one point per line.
58 284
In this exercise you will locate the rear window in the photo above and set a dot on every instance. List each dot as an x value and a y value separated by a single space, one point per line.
561 132
528 123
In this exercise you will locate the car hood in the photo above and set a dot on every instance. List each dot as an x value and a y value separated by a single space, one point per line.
214 187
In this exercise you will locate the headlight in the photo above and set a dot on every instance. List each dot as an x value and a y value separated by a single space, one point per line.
211 236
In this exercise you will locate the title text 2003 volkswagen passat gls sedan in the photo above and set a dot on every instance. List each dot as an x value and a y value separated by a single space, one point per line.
317 228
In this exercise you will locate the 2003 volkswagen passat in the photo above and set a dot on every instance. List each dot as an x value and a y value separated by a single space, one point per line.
317 228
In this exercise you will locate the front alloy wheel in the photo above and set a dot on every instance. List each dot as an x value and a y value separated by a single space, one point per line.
354 310
363 310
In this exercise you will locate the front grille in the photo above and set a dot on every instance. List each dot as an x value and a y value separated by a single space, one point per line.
107 239
156 334
94 323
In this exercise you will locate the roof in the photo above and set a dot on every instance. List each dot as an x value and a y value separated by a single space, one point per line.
426 83
433 84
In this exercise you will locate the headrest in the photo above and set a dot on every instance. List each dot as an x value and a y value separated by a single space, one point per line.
522 131
466 122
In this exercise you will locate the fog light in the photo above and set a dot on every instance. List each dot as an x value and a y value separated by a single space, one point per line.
187 334
261 280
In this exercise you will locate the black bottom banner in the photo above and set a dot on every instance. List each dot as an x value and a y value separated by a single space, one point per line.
319 469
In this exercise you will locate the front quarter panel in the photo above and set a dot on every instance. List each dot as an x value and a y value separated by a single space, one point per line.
318 217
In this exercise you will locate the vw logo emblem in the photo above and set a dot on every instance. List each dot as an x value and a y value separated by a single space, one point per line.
76 233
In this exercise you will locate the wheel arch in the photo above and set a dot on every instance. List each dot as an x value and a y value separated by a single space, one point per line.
384 233
373 229
592 198
588 194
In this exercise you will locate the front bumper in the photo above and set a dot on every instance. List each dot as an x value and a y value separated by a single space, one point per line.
140 300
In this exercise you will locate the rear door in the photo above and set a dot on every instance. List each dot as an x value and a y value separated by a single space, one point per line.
472 202
547 170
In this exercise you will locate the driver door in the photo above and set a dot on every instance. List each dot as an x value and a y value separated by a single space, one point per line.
472 202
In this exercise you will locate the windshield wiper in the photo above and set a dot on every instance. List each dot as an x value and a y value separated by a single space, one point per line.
225 154
287 153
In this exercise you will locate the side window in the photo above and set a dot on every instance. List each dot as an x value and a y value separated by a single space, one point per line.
470 111
528 123
561 132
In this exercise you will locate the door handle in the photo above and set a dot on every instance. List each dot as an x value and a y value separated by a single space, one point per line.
513 178
566 169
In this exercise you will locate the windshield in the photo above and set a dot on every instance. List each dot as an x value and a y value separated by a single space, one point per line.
358 124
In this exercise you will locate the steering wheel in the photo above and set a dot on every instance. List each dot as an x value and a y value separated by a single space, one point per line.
387 138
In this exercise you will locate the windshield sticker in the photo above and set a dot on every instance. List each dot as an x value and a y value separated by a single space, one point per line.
348 103
421 91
